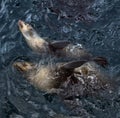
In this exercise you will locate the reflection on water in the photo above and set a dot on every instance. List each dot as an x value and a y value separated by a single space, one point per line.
93 23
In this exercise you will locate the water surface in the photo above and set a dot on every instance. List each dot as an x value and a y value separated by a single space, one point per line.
93 23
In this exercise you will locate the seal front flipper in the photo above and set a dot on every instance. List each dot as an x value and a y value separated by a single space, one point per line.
75 64
72 65
101 61
58 44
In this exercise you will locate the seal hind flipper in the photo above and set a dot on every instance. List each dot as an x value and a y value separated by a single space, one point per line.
101 61
72 65
58 44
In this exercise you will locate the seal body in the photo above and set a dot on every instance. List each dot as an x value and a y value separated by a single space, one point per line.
51 75
57 48
47 76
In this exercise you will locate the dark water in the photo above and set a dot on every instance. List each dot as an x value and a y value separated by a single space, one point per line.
93 23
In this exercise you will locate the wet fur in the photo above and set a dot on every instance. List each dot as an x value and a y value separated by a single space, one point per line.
41 76
90 69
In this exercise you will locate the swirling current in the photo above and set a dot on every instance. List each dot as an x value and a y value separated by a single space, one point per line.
92 23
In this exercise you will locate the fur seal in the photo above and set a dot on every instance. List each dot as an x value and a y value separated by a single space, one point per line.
58 48
49 76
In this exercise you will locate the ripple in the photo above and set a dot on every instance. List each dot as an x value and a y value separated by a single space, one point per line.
7 47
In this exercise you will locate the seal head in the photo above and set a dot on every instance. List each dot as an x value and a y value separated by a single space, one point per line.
32 38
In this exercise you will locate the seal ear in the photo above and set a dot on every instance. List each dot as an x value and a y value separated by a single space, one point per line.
58 44
72 65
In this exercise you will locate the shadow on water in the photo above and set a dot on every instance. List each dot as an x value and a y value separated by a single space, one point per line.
95 24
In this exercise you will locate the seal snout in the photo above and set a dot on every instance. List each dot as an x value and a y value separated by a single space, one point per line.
18 66
21 24
22 66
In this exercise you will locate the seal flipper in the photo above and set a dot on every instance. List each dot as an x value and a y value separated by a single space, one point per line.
72 65
101 61
58 44
75 64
